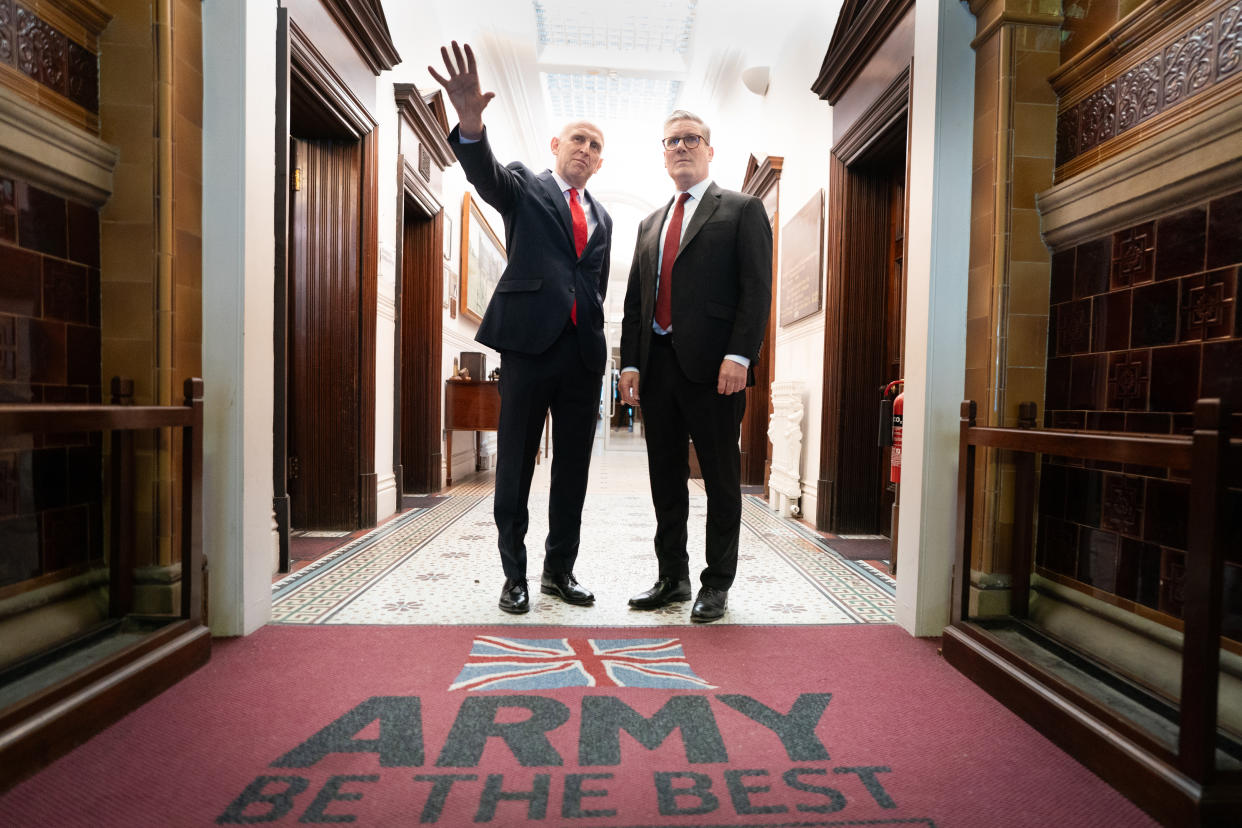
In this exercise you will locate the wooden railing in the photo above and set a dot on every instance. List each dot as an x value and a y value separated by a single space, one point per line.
50 721
1213 462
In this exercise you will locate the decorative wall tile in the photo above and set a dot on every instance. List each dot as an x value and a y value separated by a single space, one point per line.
8 34
1139 91
1199 56
1122 509
47 56
83 77
1133 256
1128 376
1067 135
1188 63
1207 306
1098 117
1165 332
1229 47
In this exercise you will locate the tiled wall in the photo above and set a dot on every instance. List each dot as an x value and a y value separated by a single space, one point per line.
1142 323
48 56
50 489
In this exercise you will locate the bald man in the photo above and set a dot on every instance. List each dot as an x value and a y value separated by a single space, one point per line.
546 319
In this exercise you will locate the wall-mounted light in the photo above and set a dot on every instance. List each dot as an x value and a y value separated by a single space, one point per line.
756 79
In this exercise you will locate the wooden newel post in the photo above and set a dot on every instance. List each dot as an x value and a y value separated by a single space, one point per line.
1205 561
1024 504
193 566
122 553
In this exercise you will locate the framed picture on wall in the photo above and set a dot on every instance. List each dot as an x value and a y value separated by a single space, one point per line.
482 260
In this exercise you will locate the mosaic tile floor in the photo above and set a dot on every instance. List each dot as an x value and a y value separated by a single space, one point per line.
439 565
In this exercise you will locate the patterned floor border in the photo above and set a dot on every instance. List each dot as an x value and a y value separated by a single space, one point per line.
318 594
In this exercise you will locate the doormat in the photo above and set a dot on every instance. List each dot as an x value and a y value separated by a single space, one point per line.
616 727
861 549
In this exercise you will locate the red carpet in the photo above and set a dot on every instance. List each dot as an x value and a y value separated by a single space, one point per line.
807 726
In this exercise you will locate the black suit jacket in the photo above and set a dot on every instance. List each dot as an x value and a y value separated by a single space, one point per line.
722 285
544 274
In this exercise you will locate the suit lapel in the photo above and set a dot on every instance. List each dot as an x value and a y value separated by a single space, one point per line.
557 198
597 235
711 200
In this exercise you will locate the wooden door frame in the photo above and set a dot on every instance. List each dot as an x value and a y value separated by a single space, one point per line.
300 62
843 425
423 152
762 179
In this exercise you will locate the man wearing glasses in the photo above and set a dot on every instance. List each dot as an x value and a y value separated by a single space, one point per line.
547 321
696 308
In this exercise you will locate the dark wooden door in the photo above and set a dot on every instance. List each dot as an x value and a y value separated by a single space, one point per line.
324 306
894 314
422 322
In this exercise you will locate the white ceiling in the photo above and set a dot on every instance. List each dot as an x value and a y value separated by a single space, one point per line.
623 64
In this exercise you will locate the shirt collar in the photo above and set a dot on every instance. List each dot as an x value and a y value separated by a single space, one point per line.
565 185
696 192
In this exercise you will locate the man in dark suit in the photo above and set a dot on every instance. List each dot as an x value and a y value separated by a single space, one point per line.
547 321
696 308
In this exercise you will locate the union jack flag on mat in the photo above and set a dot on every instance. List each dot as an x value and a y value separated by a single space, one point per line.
498 663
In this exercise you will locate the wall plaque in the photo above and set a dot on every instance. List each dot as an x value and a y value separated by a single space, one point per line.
802 262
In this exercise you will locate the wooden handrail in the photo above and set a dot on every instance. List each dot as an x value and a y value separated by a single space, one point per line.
1210 457
121 420
48 419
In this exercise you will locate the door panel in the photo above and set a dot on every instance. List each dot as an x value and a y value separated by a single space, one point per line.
323 349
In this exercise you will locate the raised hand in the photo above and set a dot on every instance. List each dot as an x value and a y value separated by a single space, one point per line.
462 86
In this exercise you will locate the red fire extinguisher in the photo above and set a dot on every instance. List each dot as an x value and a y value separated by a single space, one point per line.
890 432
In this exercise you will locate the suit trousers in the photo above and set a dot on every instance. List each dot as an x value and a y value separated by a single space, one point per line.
675 411
531 385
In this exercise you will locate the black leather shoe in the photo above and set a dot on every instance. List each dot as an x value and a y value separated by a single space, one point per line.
709 605
665 591
566 587
515 597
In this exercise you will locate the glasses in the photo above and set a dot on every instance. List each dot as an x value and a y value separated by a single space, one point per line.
687 141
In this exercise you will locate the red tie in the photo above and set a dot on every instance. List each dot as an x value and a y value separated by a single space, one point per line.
580 237
672 241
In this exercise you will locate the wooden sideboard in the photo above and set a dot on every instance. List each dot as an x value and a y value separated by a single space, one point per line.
469 405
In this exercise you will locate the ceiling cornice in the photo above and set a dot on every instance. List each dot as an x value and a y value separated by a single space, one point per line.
430 127
363 22
859 33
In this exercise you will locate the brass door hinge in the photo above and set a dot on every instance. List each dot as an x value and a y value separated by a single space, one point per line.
297 180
